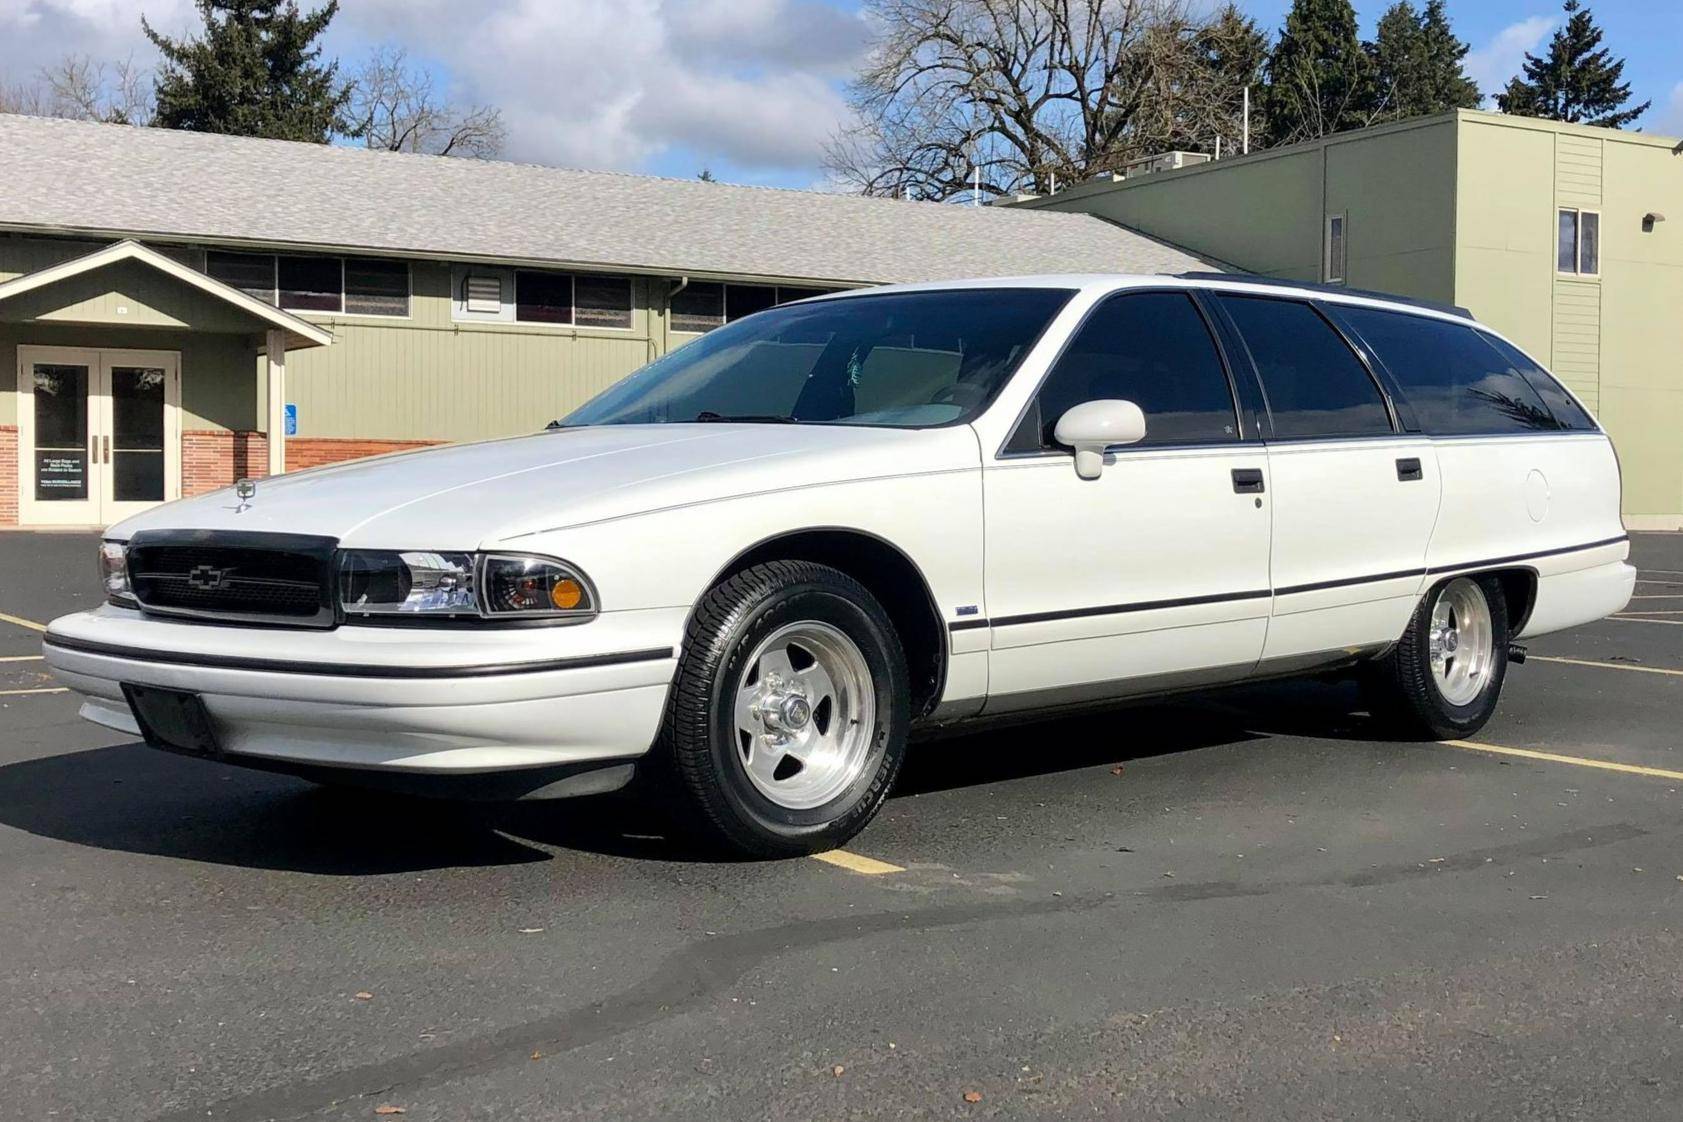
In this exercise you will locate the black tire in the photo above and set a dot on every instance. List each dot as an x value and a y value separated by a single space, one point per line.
700 736
1402 690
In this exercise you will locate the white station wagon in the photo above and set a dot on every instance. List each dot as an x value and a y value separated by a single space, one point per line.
757 565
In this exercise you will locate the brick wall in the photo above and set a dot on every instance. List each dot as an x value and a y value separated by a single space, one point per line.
217 458
308 452
8 475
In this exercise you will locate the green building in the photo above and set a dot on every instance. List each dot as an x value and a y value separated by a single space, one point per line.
178 310
1566 238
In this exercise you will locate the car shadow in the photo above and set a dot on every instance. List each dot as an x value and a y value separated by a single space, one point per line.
135 799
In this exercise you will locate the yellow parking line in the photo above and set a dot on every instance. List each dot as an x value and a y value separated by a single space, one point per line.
29 623
1667 583
1605 665
854 863
1557 758
1639 619
1651 612
20 658
1660 596
43 689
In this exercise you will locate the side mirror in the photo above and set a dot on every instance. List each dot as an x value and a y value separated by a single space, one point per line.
1093 426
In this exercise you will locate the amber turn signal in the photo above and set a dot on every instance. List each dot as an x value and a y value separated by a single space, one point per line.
566 594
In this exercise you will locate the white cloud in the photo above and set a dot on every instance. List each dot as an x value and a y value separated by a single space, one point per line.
37 33
1668 119
749 82
1504 55
754 84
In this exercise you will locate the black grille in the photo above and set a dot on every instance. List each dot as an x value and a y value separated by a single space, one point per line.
238 577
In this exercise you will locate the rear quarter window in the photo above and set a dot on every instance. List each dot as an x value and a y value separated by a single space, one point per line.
1457 383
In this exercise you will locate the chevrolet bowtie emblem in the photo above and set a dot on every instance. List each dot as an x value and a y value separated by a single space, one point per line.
206 577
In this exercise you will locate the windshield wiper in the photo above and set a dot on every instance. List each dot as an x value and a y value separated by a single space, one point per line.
707 415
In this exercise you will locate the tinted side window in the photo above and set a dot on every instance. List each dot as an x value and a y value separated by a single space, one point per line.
1316 385
1150 348
1568 414
1457 384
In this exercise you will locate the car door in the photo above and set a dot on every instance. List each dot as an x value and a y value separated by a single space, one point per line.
1355 494
1155 574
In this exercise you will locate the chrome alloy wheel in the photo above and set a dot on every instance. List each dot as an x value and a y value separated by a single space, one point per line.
805 712
1461 642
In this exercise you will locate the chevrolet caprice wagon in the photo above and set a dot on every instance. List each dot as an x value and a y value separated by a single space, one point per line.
753 567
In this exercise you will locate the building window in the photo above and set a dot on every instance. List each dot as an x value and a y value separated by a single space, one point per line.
1578 245
359 286
376 288
251 273
310 284
746 299
701 306
602 301
1334 273
543 297
698 307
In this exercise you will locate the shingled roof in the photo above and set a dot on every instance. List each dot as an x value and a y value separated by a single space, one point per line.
159 184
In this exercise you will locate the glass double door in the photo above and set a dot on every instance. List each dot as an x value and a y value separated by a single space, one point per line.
99 434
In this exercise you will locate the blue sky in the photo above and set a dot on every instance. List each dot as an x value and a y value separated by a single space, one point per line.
748 88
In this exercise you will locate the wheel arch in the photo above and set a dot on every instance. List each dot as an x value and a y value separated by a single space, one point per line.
891 576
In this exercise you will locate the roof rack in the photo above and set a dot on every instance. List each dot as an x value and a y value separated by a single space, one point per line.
1331 290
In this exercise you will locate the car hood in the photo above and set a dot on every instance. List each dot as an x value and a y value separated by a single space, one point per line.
471 496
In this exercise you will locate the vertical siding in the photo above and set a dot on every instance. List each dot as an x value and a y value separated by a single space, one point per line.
430 378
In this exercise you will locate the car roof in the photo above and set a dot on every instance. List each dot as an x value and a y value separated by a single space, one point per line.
1234 282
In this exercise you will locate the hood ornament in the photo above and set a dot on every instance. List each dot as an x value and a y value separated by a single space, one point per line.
245 489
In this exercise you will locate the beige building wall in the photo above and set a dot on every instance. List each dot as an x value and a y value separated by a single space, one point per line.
1267 212
1617 337
429 378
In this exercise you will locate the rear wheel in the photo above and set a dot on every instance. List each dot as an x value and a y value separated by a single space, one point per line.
787 720
1444 676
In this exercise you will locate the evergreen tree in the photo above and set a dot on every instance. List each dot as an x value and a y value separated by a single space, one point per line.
1417 64
1578 80
1233 51
1319 77
1448 85
255 71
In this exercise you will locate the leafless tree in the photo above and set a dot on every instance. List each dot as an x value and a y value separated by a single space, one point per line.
1010 95
79 88
395 107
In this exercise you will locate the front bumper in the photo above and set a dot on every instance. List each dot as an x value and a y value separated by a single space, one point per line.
417 701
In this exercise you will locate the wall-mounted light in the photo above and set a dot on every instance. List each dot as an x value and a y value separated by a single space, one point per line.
1649 219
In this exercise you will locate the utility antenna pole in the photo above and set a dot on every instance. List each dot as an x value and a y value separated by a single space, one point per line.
1245 144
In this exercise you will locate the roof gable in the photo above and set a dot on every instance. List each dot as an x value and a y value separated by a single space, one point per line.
300 333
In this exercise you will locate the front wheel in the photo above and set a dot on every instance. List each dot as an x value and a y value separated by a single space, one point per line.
1444 676
788 716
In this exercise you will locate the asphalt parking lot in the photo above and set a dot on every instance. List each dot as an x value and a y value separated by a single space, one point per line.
1244 904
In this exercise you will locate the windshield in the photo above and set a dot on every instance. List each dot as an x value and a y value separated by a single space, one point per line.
907 359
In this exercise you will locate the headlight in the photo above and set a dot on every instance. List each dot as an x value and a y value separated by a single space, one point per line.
114 574
423 585
535 586
377 583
